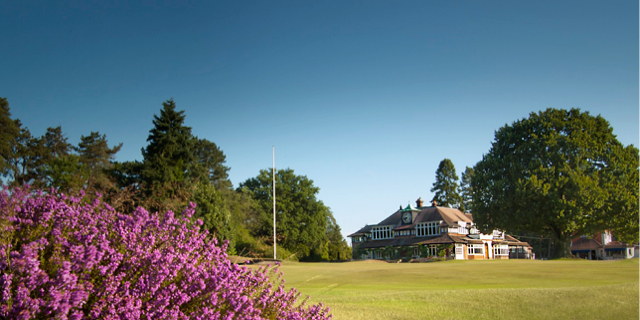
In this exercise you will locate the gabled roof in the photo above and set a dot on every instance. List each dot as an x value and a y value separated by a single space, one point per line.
364 230
585 244
426 214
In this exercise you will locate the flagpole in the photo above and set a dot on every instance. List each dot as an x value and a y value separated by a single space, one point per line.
274 201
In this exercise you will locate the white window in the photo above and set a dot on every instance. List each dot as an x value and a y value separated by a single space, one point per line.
378 255
427 229
458 249
500 250
475 249
383 232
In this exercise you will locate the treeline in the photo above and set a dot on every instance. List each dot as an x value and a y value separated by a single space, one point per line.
177 168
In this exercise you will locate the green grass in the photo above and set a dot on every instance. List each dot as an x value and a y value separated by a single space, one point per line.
495 289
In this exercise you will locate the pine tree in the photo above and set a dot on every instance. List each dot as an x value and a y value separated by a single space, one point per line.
96 156
168 156
446 186
466 190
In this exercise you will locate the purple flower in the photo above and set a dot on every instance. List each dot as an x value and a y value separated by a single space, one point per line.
74 260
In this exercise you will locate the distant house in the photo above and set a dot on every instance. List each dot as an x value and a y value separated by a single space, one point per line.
427 231
601 246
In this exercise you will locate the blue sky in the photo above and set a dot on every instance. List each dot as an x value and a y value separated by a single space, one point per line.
363 97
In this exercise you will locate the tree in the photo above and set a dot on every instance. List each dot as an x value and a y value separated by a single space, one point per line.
9 131
16 157
56 143
169 153
446 186
337 247
466 190
209 163
211 208
96 156
560 173
65 173
300 217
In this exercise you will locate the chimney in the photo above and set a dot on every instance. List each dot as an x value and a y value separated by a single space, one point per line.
419 202
434 203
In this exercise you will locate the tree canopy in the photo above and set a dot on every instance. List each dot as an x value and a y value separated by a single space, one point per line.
176 168
446 186
560 173
302 220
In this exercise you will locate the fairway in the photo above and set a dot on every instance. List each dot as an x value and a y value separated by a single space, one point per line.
495 289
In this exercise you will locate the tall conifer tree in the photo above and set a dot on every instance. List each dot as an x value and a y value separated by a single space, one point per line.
446 186
168 155
466 190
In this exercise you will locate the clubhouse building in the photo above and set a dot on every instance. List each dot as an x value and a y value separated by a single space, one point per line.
429 231
601 246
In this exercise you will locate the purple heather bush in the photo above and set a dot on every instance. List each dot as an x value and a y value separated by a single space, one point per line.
63 258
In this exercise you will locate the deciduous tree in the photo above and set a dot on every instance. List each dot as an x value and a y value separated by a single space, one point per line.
560 173
300 217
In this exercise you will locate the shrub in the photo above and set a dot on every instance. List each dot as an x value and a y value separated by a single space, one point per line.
63 258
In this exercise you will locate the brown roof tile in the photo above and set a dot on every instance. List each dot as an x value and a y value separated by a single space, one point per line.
585 244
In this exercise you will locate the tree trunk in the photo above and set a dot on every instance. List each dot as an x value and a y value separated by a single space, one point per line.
562 246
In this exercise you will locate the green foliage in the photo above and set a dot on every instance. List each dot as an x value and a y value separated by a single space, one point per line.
48 161
211 208
96 156
10 130
389 253
301 218
560 173
66 173
169 154
446 186
337 246
209 163
466 191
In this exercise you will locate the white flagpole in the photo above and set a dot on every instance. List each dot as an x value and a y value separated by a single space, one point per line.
274 202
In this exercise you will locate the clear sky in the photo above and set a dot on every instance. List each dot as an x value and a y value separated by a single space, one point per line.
363 97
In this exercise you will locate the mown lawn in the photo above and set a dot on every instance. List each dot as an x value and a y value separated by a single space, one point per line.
507 289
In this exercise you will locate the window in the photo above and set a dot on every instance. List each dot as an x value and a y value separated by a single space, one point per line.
427 229
500 250
459 249
416 252
475 249
383 232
